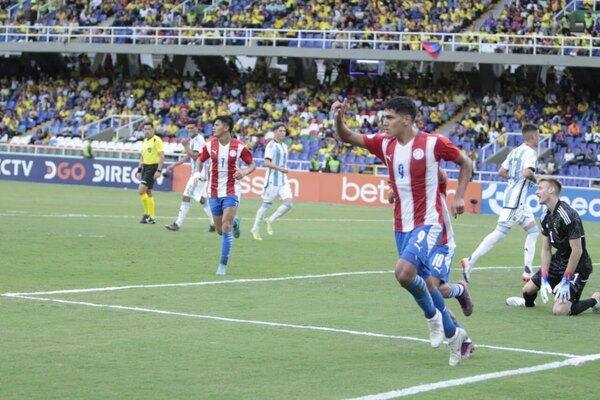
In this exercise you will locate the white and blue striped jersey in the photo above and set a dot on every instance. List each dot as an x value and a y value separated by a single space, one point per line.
196 144
518 159
278 154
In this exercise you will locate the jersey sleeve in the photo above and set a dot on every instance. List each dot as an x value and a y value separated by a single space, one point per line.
159 145
530 160
574 230
246 156
444 149
506 163
204 154
269 151
374 143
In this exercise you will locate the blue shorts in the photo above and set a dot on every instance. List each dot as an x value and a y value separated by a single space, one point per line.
414 246
440 262
218 204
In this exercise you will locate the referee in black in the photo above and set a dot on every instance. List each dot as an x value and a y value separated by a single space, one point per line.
565 272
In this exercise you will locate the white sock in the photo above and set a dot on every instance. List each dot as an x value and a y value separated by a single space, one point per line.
183 210
282 209
530 248
486 245
260 214
206 208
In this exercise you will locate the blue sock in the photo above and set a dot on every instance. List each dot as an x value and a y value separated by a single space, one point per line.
226 247
418 289
449 326
455 290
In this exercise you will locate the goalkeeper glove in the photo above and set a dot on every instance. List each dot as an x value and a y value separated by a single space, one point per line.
562 291
546 289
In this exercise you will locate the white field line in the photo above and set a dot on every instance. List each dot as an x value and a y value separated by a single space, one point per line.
274 324
479 378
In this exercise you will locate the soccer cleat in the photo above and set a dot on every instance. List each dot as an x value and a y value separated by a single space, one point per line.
269 226
466 349
455 345
172 227
211 228
596 307
236 226
222 270
515 302
527 273
256 235
465 301
467 268
436 329
150 220
144 219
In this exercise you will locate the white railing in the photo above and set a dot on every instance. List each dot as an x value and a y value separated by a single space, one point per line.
391 41
123 125
503 141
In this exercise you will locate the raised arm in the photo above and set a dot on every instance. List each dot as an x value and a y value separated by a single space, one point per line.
338 109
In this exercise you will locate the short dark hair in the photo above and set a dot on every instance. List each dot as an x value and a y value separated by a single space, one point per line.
277 126
402 105
227 120
529 128
148 123
191 122
552 181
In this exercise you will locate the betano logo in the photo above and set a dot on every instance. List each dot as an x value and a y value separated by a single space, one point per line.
368 192
64 171
583 206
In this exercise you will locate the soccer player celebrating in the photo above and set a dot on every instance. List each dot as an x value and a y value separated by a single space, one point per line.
149 169
413 162
565 272
518 168
192 148
225 154
276 182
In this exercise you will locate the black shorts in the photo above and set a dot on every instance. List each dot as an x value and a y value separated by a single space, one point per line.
555 275
148 171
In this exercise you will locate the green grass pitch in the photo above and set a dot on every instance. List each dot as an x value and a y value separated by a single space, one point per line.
328 334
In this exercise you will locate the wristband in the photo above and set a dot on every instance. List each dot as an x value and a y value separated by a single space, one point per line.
568 275
544 274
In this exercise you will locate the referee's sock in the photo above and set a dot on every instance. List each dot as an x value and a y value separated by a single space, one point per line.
144 200
151 206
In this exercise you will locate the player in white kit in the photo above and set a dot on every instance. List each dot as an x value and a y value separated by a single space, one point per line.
519 169
276 184
192 148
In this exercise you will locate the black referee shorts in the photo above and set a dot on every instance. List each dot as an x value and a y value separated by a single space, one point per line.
148 171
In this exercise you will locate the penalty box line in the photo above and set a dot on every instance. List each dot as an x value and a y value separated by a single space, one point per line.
274 324
410 391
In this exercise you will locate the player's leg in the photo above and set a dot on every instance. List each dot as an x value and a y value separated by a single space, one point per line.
412 248
217 212
229 206
143 192
285 193
150 201
530 291
576 306
206 208
269 195
487 244
531 228
440 262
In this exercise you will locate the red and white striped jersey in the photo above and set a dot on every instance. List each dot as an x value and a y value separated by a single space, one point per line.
225 161
414 178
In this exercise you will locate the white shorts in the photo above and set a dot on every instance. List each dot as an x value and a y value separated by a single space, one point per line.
510 217
197 191
271 193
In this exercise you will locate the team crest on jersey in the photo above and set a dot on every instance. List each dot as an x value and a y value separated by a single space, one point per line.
418 154
232 153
